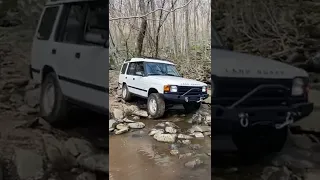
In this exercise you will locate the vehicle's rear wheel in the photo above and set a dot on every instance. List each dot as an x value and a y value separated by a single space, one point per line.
126 95
156 105
53 105
191 106
261 140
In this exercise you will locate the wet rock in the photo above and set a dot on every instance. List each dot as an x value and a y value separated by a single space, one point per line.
140 113
127 120
29 164
181 156
121 131
171 124
196 119
194 146
112 123
155 131
170 130
198 128
184 136
194 163
136 125
186 142
78 146
292 163
207 133
94 162
118 114
32 97
160 125
121 126
136 118
198 135
282 174
174 152
170 138
86 176
268 171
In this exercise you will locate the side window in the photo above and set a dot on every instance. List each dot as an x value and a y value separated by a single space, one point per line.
132 69
124 67
139 70
47 22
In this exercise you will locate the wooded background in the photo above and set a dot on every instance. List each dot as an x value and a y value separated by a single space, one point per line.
177 30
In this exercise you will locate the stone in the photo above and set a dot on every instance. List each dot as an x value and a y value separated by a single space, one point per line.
181 156
78 146
171 124
160 125
155 131
174 152
27 110
136 118
311 176
121 126
121 131
302 141
29 164
118 114
282 174
170 130
136 125
186 142
140 113
170 138
112 123
198 135
194 163
127 120
184 136
94 162
86 176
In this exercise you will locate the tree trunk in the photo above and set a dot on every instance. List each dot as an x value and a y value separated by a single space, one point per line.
174 29
187 46
143 28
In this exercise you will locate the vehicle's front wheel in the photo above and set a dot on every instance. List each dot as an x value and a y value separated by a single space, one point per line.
126 95
191 106
156 105
53 105
262 140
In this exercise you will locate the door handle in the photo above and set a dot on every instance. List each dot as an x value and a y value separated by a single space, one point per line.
77 55
133 78
53 51
126 77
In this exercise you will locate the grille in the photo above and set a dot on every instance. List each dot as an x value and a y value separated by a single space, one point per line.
194 91
229 90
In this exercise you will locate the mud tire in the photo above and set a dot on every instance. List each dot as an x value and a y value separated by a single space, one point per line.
191 107
60 107
125 94
160 105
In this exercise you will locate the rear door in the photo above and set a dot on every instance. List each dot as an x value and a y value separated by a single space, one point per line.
122 74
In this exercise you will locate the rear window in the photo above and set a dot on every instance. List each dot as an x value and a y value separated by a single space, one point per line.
47 22
124 67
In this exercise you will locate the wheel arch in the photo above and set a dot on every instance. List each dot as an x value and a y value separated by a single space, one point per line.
152 90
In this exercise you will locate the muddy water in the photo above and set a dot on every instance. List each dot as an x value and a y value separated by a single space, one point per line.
137 156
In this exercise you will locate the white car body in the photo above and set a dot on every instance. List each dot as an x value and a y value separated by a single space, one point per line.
81 68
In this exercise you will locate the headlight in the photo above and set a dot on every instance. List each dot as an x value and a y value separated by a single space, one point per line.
168 88
297 87
204 89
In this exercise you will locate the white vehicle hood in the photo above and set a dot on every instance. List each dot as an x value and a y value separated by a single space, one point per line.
172 80
233 64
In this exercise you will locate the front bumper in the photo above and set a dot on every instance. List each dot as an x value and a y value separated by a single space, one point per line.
176 98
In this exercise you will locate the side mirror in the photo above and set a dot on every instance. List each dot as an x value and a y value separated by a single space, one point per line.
96 38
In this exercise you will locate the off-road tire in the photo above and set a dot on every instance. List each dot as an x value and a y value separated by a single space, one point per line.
161 106
191 106
128 95
248 142
60 107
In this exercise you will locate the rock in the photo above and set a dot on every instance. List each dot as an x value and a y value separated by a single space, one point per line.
198 135
184 136
136 125
302 141
27 110
121 126
118 114
155 131
170 130
94 162
29 164
160 125
194 146
171 124
141 113
198 128
186 142
185 155
292 163
121 131
78 146
312 176
127 120
136 118
4 107
165 137
86 176
282 174
194 163
268 171
174 152
112 123
207 133
19 81
16 99
32 97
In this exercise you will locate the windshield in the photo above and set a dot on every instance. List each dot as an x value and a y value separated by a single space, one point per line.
161 69
216 41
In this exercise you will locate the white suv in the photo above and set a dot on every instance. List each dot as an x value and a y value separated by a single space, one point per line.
160 83
70 57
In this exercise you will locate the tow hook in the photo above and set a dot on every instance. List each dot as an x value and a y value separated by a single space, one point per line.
200 100
186 99
244 119
289 120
